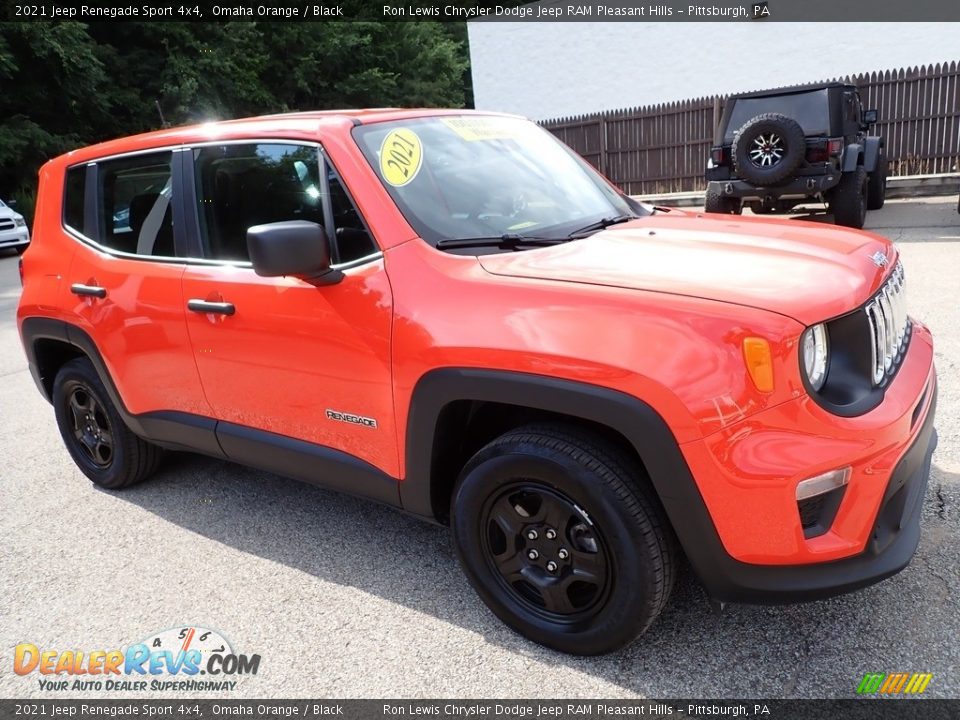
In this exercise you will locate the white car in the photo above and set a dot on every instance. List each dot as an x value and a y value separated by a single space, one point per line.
13 229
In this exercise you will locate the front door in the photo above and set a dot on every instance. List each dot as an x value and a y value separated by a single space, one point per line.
279 355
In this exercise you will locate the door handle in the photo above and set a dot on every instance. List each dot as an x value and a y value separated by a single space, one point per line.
217 308
88 290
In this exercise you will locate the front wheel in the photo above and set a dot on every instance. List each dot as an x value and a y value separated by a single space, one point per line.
561 536
96 437
21 249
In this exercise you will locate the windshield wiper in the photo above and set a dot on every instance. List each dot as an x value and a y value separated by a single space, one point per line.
508 241
600 225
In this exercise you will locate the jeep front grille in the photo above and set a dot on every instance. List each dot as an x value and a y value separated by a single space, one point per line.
889 326
7 224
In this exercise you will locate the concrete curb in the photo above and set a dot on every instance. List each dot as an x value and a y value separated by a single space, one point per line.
903 186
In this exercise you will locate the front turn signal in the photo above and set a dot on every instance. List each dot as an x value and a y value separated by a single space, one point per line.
756 354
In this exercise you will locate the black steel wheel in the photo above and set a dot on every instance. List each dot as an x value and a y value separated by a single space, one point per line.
547 551
561 535
96 437
89 423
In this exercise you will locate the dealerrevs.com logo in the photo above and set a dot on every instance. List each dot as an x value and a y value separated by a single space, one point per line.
189 659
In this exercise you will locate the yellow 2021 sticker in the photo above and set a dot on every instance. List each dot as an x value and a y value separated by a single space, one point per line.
401 155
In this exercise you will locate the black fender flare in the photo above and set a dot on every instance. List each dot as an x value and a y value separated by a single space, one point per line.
642 426
637 421
173 430
871 152
851 157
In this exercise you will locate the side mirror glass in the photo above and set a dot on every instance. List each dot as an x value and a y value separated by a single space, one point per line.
869 117
296 248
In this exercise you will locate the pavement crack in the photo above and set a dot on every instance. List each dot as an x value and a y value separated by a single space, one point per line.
941 503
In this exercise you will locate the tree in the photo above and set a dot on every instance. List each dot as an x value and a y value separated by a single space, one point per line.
70 84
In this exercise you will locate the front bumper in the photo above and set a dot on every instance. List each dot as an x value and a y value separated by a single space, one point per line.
890 547
14 238
753 548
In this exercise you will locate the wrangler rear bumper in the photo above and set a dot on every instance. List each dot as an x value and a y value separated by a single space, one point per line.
801 186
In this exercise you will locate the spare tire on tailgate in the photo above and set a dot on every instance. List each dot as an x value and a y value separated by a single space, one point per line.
768 148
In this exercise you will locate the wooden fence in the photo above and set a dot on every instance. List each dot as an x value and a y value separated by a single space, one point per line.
664 148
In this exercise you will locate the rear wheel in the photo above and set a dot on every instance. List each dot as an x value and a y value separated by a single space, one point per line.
716 202
877 184
95 435
561 536
848 200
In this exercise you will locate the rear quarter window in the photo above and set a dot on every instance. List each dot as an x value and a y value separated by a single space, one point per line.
75 188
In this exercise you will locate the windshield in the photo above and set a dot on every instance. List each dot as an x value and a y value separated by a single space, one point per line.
460 177
810 109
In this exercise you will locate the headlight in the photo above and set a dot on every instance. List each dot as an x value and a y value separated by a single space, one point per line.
815 353
19 222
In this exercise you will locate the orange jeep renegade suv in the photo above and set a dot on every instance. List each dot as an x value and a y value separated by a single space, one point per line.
453 314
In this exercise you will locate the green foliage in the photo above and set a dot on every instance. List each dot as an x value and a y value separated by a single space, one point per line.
70 84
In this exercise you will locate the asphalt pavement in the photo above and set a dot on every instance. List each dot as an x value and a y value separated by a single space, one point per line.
343 598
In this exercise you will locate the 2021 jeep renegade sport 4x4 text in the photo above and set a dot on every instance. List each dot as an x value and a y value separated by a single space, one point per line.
453 314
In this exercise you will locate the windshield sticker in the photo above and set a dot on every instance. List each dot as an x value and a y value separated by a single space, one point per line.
401 155
480 128
522 225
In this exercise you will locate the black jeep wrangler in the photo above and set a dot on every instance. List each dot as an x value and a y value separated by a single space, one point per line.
774 150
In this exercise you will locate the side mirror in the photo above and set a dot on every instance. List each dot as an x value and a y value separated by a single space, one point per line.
869 117
294 247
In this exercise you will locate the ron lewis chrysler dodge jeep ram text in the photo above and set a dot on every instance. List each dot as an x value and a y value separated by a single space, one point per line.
453 314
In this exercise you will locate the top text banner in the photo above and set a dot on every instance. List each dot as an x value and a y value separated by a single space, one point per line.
487 11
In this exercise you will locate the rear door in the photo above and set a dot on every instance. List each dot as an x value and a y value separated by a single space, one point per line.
123 285
280 356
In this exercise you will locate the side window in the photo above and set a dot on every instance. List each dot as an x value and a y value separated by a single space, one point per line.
239 186
135 211
353 240
74 192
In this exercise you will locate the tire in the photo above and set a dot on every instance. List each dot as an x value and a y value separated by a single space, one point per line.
604 516
848 200
717 202
877 184
95 435
768 148
21 249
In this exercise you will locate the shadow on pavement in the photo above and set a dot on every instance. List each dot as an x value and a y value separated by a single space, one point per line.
745 651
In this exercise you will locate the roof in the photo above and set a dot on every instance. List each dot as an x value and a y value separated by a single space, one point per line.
793 89
308 124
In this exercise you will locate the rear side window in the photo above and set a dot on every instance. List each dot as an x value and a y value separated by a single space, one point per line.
239 186
134 198
74 193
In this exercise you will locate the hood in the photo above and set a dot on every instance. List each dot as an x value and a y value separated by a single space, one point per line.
804 270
